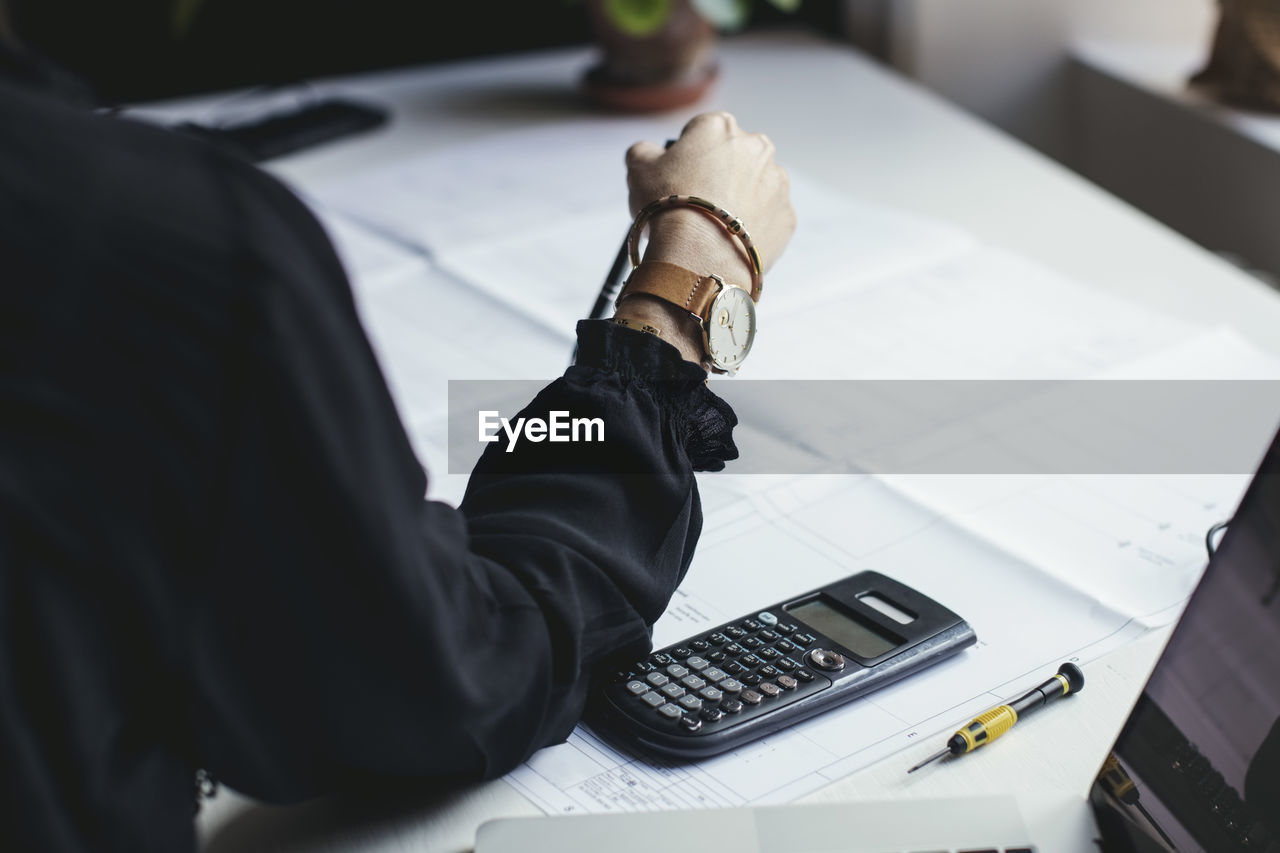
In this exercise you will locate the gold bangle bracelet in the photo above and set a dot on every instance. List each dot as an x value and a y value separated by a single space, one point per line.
731 223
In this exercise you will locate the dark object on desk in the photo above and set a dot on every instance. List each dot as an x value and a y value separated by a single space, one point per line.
767 670
286 132
1201 744
1244 68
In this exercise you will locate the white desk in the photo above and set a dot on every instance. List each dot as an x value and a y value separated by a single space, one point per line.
835 114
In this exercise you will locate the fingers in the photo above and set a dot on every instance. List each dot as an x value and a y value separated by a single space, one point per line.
643 152
720 123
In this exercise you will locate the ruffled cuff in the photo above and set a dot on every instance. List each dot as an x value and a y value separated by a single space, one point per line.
703 422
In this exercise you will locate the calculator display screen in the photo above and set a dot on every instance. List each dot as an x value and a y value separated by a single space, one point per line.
859 638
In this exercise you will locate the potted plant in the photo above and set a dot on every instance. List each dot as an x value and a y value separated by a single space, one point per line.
658 55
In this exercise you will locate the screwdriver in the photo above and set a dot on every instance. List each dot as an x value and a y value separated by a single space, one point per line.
989 725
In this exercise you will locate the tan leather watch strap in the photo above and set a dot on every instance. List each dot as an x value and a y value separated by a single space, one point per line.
675 284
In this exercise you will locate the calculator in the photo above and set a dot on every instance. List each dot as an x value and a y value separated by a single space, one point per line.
771 668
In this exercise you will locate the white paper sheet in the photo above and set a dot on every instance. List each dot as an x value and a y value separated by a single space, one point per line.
520 230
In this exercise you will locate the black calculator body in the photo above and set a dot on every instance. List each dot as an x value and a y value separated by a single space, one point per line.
765 671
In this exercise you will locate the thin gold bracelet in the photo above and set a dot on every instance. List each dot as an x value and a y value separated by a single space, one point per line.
731 223
641 327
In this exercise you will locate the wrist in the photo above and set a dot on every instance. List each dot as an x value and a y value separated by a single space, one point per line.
693 240
678 327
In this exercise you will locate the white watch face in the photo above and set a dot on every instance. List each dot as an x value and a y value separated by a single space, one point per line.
730 327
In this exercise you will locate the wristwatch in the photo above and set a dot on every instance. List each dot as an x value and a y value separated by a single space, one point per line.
726 312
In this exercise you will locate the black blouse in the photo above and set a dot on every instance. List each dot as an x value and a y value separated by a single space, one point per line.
215 550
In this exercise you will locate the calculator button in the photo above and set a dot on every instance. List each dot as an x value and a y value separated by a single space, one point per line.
734 649
769 636
698 663
691 703
751 625
735 633
637 687
771 671
693 682
786 664
769 653
675 670
674 691
804 675
653 698
690 724
711 715
716 656
661 659
751 679
681 652
730 685
767 618
643 667
752 643
717 639
734 668
714 674
657 679
731 706
786 682
751 697
671 712
826 659
699 645
803 640
711 694
768 688
751 661
786 628
786 647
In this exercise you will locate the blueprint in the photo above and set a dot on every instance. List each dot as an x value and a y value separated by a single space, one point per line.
1045 568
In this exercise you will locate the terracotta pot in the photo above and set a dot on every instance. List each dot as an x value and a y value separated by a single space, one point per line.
673 67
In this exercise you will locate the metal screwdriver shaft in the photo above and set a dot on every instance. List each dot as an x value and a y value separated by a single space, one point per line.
991 724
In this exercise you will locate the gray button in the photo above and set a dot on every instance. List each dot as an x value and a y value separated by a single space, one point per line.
637 687
786 682
768 688
714 674
827 659
677 671
653 698
730 685
693 682
767 618
675 691
711 694
671 712
698 663
657 679
751 697
693 703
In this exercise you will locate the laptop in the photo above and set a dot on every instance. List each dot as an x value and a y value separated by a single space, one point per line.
1195 767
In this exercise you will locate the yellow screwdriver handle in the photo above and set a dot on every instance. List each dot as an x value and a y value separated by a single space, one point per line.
988 726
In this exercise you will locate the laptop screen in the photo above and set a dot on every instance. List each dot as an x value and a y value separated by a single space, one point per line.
1199 758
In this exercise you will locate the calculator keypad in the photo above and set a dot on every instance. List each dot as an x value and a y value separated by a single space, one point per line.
737 671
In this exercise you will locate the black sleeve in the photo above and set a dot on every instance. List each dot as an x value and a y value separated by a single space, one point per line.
350 629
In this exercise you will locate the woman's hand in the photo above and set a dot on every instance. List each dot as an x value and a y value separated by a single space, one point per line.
716 160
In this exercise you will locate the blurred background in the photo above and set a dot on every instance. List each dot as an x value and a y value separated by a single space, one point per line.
1100 86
